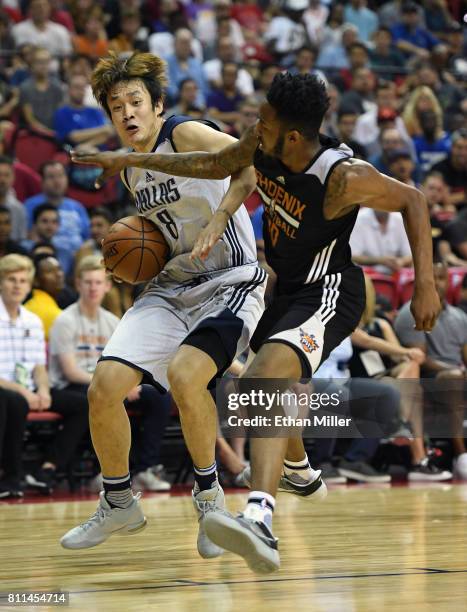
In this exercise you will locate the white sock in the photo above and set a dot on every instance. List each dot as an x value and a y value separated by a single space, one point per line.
302 468
260 507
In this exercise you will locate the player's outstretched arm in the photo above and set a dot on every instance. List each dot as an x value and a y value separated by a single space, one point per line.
196 164
355 182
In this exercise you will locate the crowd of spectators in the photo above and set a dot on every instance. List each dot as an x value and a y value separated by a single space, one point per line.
396 74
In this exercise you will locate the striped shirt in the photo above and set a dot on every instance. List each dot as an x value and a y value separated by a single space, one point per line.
21 343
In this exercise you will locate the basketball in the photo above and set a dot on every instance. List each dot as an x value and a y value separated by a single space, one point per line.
134 250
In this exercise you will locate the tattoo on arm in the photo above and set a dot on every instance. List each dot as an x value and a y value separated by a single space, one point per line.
218 165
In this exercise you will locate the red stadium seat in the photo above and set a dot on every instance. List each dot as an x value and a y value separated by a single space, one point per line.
456 276
34 149
385 285
46 415
405 283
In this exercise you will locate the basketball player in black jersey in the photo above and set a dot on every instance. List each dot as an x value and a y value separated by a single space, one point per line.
312 188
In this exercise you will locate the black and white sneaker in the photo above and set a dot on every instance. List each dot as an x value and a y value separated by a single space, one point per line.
426 471
361 472
294 483
331 475
245 537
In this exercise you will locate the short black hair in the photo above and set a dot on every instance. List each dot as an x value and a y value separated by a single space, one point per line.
300 101
48 163
43 243
5 211
37 212
358 45
346 110
101 212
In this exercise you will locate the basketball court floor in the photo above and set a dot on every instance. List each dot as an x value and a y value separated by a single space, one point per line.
365 548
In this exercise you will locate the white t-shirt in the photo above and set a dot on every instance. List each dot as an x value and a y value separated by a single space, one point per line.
289 36
54 37
368 239
73 332
213 71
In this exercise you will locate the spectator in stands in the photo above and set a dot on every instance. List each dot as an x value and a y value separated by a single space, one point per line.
213 68
22 368
9 100
455 233
379 239
446 360
248 116
401 166
456 50
376 403
305 60
361 95
7 245
40 31
40 95
187 101
437 16
182 65
346 122
223 103
130 37
329 125
100 220
421 99
337 41
286 32
358 14
358 56
74 220
448 95
385 59
463 299
77 124
409 36
378 354
77 339
454 168
266 77
7 42
93 41
391 140
61 16
46 222
48 283
433 145
9 200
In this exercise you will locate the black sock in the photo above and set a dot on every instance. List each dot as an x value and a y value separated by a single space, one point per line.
205 477
118 491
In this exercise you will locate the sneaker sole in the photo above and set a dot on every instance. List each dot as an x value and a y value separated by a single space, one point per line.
124 531
362 477
416 477
316 489
229 535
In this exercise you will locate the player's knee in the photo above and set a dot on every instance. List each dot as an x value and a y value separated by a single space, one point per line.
101 395
184 380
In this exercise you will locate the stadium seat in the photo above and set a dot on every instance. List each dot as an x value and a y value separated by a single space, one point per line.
33 149
405 284
385 285
456 276
43 416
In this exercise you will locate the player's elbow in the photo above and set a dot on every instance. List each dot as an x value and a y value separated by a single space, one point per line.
414 202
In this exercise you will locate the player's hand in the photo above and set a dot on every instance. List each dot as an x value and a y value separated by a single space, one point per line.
112 162
210 235
425 307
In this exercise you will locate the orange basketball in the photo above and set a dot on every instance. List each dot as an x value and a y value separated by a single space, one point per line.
135 250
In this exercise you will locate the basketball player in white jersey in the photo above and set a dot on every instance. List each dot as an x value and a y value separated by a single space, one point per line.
192 320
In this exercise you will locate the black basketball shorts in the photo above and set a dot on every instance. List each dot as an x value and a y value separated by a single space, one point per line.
314 319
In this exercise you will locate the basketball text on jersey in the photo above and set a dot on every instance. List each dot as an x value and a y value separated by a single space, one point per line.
158 194
284 210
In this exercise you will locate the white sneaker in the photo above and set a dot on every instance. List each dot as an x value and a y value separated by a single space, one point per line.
105 522
206 502
148 481
460 466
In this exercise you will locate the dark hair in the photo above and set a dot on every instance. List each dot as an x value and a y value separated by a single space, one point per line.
300 101
358 45
384 29
308 48
42 243
4 159
185 81
37 212
38 258
101 212
5 211
50 162
346 110
114 69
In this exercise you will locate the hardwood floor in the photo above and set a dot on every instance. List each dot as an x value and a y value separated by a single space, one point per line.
363 549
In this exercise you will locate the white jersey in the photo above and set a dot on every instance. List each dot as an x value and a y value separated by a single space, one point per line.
181 207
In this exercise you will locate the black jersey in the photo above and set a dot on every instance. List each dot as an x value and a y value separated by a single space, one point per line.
301 246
